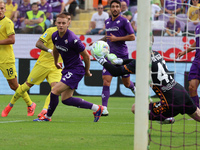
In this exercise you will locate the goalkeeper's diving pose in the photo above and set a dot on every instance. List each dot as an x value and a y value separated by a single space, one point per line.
174 99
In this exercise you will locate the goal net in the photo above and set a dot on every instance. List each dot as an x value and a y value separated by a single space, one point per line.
184 133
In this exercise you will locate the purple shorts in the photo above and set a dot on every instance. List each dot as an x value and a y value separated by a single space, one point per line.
194 71
105 72
71 77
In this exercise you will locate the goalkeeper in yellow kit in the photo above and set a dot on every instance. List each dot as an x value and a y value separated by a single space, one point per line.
43 69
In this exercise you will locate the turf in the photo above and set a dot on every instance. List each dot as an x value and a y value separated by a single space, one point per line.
73 129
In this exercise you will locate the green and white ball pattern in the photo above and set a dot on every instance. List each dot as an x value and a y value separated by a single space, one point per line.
100 48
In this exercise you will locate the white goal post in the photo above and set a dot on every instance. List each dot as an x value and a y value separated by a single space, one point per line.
144 33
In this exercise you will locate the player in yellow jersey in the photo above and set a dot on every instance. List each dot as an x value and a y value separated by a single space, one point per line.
44 67
7 60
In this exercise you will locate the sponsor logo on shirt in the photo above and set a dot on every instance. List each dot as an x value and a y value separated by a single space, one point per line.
62 48
115 28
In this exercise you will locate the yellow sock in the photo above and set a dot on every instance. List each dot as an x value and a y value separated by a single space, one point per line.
17 95
47 101
27 99
21 92
24 94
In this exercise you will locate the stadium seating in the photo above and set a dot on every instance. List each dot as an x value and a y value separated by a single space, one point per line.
81 24
182 17
191 27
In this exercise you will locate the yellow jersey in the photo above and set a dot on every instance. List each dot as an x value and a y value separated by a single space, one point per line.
6 51
46 59
193 12
10 8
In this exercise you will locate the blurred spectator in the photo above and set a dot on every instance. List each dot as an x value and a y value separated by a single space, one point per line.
133 3
127 2
157 2
20 14
46 8
134 22
173 6
173 27
19 2
72 7
35 20
11 8
125 12
97 25
155 11
58 7
193 12
106 8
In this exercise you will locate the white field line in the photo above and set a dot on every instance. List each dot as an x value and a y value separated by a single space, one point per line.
12 121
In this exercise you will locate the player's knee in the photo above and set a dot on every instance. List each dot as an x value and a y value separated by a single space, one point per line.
106 82
133 108
192 88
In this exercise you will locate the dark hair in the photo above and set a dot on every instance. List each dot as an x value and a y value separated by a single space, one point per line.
115 1
34 4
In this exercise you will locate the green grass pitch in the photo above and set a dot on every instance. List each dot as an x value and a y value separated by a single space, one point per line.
73 128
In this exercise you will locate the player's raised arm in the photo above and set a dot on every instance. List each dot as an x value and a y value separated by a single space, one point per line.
86 59
9 40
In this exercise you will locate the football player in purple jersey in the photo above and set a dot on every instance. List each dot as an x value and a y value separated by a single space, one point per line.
70 47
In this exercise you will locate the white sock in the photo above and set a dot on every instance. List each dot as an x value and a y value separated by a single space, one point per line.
95 107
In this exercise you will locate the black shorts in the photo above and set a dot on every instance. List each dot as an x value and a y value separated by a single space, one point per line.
173 102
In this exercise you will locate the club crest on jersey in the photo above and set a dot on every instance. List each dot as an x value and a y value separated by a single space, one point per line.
66 41
107 22
118 22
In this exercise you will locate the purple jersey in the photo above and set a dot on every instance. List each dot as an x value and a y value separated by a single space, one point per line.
46 8
175 25
56 5
23 9
69 46
119 27
173 4
197 35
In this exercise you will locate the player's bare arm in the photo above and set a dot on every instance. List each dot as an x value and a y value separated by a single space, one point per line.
86 59
9 40
56 56
112 38
102 39
40 45
189 49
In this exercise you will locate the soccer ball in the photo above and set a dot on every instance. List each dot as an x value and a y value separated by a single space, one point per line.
100 48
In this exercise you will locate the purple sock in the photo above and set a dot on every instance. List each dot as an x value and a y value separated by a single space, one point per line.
131 86
196 100
105 95
53 104
77 102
